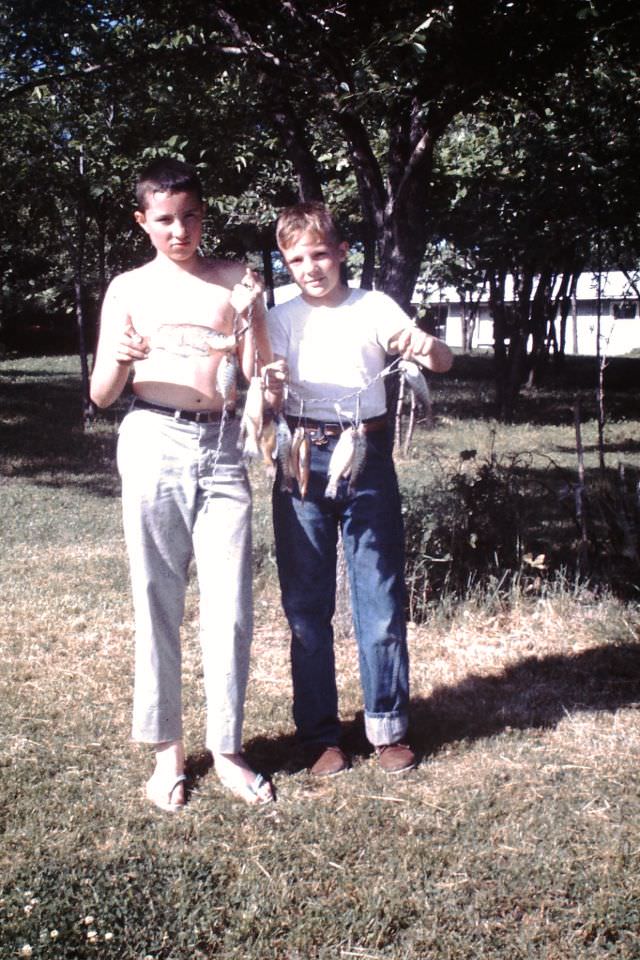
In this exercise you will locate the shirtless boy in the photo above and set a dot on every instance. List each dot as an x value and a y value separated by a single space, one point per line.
184 487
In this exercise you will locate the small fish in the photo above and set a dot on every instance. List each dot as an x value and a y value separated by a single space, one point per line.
253 417
341 461
191 340
359 456
283 453
294 456
226 376
414 378
304 464
268 445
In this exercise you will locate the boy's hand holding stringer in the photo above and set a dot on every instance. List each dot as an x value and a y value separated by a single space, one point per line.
247 292
412 343
275 376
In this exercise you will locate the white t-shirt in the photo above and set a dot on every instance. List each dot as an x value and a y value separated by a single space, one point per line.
336 353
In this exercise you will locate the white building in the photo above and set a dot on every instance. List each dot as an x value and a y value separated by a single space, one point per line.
617 301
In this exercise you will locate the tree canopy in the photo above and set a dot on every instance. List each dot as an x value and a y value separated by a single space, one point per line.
506 128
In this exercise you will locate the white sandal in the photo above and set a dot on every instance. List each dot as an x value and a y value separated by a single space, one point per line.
168 804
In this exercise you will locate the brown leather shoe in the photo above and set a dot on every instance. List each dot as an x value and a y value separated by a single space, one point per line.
396 757
329 762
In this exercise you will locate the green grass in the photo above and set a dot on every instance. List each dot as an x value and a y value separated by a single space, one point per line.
516 837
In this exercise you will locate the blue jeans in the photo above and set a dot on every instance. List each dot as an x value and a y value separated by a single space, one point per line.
306 535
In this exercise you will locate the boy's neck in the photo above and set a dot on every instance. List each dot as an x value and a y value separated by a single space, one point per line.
335 298
178 267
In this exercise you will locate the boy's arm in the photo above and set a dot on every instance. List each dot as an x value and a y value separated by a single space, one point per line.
248 301
118 347
415 344
256 354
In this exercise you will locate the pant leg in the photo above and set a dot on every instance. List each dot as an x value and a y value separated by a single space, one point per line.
222 546
306 539
155 459
373 539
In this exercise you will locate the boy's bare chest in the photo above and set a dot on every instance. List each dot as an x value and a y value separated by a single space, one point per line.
185 301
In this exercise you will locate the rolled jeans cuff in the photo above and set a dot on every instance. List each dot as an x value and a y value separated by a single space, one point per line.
382 729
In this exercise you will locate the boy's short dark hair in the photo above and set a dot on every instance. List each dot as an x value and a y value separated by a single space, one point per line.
309 215
167 175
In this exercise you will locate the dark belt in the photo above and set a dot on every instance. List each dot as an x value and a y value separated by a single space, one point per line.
193 416
323 429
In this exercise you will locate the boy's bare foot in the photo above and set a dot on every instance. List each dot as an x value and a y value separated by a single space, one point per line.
165 789
236 775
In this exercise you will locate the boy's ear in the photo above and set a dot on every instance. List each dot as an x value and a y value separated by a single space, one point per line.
140 219
343 249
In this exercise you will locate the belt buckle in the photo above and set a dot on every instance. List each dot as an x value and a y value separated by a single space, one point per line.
318 437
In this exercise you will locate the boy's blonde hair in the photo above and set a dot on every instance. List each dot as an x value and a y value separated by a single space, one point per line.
311 215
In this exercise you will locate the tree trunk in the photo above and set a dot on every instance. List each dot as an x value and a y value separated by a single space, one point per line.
497 279
539 326
88 409
517 352
292 133
404 241
267 269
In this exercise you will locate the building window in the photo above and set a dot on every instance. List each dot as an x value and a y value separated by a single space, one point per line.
624 309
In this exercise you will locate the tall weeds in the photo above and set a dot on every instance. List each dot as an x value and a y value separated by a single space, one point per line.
501 525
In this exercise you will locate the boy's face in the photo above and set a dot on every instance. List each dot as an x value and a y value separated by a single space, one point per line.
173 222
314 264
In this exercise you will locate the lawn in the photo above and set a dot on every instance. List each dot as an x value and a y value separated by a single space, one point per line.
518 834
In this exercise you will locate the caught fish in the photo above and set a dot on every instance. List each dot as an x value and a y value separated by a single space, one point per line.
283 453
252 418
359 456
268 445
414 378
226 376
304 464
301 459
341 461
191 340
294 456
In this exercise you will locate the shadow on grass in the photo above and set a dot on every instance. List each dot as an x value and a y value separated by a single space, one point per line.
534 693
469 390
197 766
537 692
42 435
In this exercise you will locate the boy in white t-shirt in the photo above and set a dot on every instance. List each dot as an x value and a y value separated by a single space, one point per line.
335 341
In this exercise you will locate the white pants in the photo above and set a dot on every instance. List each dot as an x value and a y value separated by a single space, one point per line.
179 503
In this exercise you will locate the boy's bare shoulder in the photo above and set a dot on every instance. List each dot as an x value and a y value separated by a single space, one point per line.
225 273
129 279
